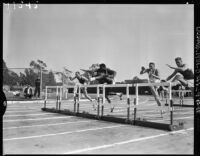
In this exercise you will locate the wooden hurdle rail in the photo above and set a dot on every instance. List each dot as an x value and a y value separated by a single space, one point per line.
101 101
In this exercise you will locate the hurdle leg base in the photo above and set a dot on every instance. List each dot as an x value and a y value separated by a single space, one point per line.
176 127
161 126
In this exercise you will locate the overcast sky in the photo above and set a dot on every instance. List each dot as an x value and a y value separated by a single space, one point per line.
124 37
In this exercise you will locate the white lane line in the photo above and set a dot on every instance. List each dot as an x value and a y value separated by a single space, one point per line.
184 117
159 115
19 107
26 102
81 105
174 118
167 114
41 125
70 132
25 108
125 142
28 114
29 110
36 119
29 105
143 102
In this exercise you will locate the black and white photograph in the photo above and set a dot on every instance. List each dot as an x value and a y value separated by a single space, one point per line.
98 78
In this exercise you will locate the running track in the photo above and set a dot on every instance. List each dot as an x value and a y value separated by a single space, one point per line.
28 130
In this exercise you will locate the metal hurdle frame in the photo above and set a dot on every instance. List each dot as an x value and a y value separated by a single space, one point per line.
128 102
100 115
59 94
57 97
137 85
181 101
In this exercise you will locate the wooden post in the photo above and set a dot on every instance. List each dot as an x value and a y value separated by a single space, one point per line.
171 103
98 101
128 102
102 106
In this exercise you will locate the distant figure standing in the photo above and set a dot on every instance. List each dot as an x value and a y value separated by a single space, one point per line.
28 93
37 87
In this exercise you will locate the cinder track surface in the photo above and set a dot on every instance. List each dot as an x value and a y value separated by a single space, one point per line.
29 130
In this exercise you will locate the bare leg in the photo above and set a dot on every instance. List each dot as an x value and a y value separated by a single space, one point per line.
156 96
89 98
86 95
179 79
107 91
75 90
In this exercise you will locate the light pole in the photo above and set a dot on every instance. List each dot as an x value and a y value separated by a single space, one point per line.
40 79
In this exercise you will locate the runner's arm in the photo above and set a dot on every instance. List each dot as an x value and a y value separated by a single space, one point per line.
178 68
143 70
83 77
72 78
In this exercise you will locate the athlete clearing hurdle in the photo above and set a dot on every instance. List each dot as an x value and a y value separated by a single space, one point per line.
182 75
82 80
154 77
105 75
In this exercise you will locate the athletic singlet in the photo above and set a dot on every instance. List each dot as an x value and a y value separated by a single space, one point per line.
106 71
102 71
188 74
151 78
81 80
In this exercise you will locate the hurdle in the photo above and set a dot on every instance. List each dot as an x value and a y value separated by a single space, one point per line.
58 96
77 102
135 121
135 103
45 99
110 118
128 102
181 98
98 101
164 126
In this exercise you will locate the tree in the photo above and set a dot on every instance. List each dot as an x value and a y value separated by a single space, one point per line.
5 73
9 77
22 79
40 65
51 80
30 76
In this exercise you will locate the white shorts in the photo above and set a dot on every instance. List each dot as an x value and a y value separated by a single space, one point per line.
155 81
190 83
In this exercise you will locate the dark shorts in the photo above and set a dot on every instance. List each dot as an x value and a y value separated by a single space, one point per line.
105 80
